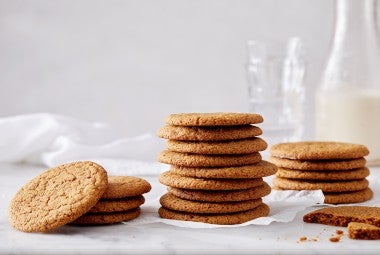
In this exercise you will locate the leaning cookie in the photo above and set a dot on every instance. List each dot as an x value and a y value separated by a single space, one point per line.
57 196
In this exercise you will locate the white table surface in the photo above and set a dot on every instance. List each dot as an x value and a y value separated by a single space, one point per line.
159 238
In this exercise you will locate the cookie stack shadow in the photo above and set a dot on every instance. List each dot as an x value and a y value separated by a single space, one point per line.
216 173
338 169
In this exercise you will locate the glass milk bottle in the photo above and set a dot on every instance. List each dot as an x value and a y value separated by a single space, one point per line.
348 97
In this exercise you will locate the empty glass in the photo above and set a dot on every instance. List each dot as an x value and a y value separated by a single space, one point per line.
276 89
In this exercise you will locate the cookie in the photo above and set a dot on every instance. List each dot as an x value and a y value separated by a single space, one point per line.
357 230
355 174
169 201
241 146
342 215
221 219
125 186
318 150
183 133
107 218
183 182
199 160
316 165
348 197
213 119
222 195
57 196
117 205
325 186
261 169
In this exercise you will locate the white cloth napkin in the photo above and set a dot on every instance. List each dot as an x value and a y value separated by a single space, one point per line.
51 139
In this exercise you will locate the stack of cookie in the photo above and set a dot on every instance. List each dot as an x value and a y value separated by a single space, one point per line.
120 202
216 168
76 193
338 169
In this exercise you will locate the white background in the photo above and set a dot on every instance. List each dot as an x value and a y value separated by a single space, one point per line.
131 63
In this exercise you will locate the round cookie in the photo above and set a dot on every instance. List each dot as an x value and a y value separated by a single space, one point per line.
261 169
348 197
213 119
221 219
318 150
125 186
117 205
107 218
183 182
317 165
199 160
57 196
355 174
222 195
241 146
183 133
325 186
169 201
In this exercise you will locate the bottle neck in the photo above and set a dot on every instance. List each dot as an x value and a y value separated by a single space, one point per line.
355 20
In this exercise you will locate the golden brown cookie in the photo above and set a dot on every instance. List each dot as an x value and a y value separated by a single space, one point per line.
107 218
57 196
183 133
241 146
355 174
318 150
357 230
125 186
316 165
325 186
199 160
222 195
169 201
342 215
261 169
183 182
117 205
348 197
221 219
213 119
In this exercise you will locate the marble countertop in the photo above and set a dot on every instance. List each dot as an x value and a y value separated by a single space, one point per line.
159 238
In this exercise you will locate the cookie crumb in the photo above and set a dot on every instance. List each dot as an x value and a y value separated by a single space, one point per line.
303 238
314 239
339 232
334 239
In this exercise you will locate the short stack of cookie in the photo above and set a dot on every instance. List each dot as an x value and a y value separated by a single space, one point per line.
216 173
76 193
337 168
119 203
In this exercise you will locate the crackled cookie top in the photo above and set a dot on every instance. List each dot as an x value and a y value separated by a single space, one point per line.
57 196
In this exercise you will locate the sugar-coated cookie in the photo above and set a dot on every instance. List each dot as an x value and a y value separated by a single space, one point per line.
325 186
213 119
117 205
107 218
354 174
221 219
211 133
348 197
318 150
222 195
261 169
178 181
199 160
57 196
125 186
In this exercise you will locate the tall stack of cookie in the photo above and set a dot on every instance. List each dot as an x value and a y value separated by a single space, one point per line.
216 168
338 169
